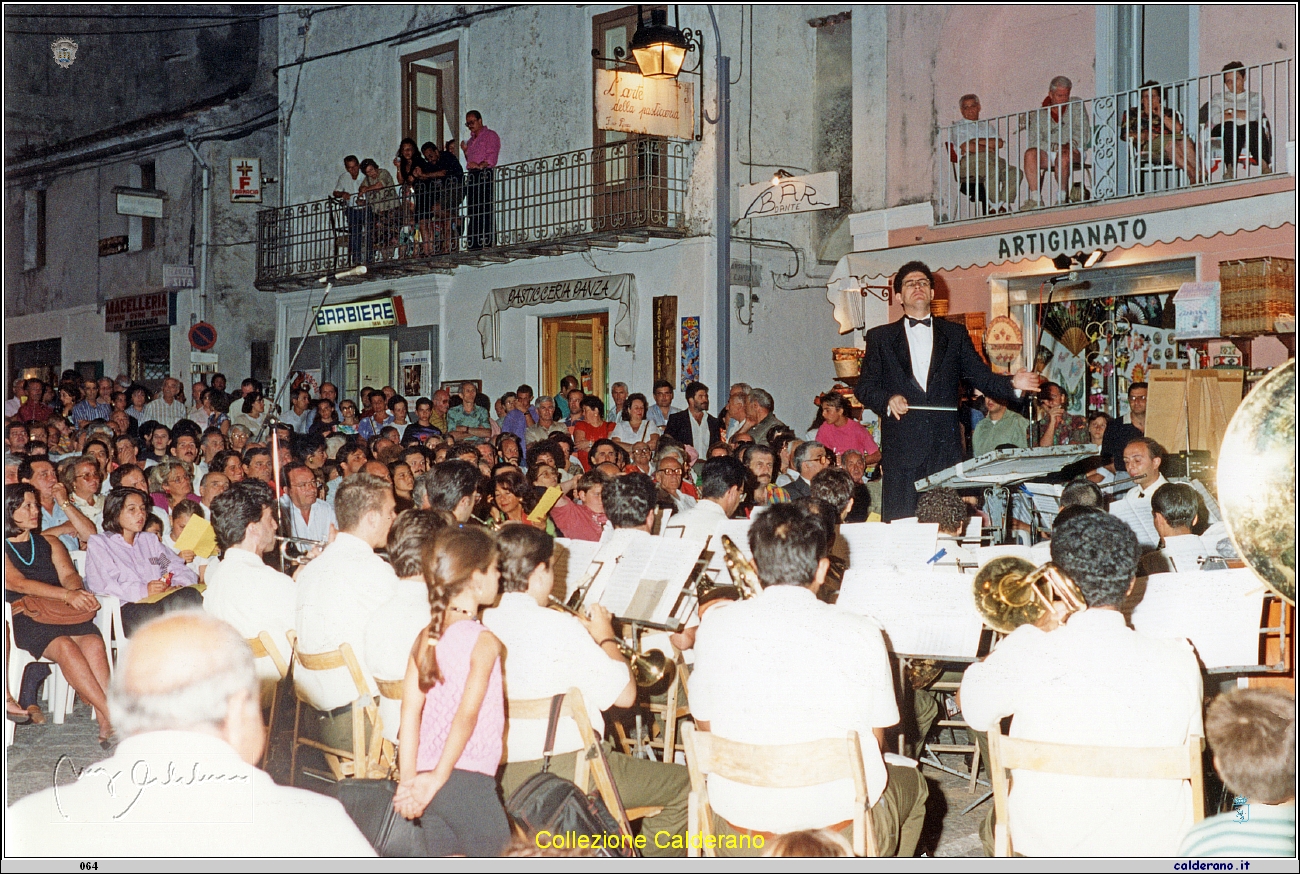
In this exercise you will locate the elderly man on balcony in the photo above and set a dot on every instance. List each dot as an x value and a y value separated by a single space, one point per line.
1056 136
983 172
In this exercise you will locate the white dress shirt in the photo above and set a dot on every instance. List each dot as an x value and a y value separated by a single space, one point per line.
701 439
254 597
920 343
1096 682
390 635
549 652
786 668
246 812
1142 494
338 592
700 521
315 528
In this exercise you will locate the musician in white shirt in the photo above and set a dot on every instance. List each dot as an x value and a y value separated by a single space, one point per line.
1142 459
1174 512
241 588
1092 681
721 491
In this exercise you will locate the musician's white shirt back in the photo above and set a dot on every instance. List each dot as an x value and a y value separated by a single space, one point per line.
785 668
244 591
1095 682
338 592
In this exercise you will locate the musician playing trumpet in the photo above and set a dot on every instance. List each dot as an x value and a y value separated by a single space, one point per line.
1091 681
549 652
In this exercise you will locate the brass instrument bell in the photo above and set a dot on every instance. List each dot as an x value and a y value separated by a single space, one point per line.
1010 592
652 670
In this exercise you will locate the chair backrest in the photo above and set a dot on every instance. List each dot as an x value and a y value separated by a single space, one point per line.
1131 763
343 657
785 766
952 152
263 646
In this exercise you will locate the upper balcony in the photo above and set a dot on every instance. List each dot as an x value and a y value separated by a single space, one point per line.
1176 136
627 191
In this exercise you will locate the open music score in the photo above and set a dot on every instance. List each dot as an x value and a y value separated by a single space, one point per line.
1218 611
881 545
1137 516
640 577
737 530
571 560
947 627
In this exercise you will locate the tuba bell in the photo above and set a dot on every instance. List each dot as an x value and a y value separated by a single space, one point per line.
1010 592
1257 480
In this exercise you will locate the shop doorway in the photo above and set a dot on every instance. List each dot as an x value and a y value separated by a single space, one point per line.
149 357
575 346
37 359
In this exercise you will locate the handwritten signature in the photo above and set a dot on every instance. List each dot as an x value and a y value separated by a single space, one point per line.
127 785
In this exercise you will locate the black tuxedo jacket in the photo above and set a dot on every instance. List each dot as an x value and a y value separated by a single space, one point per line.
923 439
679 428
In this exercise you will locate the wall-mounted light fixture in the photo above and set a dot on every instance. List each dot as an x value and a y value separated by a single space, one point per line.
1082 259
781 174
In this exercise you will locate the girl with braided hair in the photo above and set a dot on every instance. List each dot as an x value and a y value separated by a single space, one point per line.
453 705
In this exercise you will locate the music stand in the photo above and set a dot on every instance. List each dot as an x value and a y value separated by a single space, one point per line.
995 472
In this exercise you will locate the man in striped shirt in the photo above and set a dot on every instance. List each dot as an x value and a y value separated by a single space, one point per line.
168 408
90 406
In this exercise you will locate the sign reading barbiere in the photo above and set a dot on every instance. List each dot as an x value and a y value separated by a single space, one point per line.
360 315
618 286
631 103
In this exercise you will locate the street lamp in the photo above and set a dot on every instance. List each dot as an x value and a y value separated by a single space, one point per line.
658 47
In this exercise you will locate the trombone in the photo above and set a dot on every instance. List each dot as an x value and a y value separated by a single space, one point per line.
1010 592
652 671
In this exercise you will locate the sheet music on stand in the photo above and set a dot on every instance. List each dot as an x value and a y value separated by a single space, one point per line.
641 576
1046 499
947 626
884 545
1138 517
1218 611
570 563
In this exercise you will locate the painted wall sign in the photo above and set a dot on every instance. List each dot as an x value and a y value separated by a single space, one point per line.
360 315
631 103
139 205
114 245
618 286
245 180
153 310
791 194
178 276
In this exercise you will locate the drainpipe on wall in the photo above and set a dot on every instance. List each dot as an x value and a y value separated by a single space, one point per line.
207 232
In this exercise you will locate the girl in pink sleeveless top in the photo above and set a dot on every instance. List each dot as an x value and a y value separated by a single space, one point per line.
453 705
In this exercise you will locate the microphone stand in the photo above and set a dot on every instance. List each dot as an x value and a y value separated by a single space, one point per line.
1034 431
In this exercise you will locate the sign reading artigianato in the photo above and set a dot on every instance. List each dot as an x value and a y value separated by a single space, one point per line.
631 103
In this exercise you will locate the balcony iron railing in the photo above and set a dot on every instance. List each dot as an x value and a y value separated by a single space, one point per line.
1182 135
626 191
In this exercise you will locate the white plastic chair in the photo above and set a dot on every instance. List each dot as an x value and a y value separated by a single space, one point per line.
109 622
58 693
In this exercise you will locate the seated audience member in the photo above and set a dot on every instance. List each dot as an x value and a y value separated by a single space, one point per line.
809 459
1237 115
722 491
179 518
1057 135
59 515
824 672
257 464
670 474
761 462
632 426
1157 133
592 426
1251 733
453 705
185 700
760 410
397 622
131 564
985 175
338 592
841 434
1174 512
309 517
1000 427
547 653
241 588
581 514
1092 681
451 485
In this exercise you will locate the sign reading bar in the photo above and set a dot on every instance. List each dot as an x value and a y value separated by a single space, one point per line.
631 103
618 286
791 194
360 315
245 180
154 310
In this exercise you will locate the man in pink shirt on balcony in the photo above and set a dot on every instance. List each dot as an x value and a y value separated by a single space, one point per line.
481 151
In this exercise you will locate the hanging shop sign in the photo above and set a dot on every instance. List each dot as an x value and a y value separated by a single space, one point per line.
153 310
791 194
114 245
145 204
619 286
245 180
1196 311
178 276
631 103
386 312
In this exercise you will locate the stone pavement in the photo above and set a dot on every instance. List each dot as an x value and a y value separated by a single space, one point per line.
30 766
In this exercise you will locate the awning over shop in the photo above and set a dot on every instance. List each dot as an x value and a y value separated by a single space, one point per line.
619 286
995 250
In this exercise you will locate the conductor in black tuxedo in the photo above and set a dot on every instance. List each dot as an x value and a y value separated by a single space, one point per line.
694 426
920 360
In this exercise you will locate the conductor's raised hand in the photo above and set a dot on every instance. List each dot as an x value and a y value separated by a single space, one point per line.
898 406
1027 380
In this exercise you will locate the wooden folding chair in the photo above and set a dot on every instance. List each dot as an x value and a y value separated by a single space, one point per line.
1129 763
591 765
785 766
362 760
390 704
668 741
263 647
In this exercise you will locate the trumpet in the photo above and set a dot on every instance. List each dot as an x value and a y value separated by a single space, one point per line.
652 671
744 577
1010 592
295 549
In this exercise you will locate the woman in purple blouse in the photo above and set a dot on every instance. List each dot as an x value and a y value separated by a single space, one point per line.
132 564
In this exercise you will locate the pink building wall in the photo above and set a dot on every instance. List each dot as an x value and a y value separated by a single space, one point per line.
1254 34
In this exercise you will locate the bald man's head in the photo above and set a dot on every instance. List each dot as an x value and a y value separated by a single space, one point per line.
379 469
188 671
